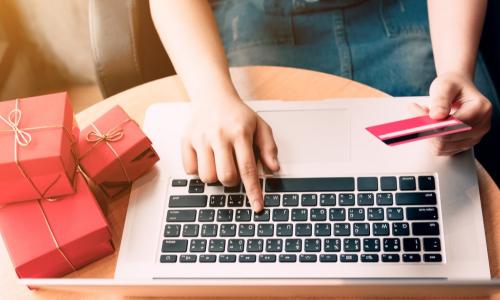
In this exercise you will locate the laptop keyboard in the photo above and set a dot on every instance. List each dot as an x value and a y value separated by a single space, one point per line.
388 219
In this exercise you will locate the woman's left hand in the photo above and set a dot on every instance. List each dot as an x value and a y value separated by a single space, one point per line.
457 94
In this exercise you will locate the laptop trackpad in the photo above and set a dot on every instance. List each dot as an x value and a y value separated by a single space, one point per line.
310 136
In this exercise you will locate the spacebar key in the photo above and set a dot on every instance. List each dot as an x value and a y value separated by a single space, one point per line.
188 201
320 184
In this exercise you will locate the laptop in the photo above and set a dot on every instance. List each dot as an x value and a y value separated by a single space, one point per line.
345 212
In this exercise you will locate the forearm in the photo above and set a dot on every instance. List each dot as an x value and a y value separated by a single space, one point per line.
189 33
455 27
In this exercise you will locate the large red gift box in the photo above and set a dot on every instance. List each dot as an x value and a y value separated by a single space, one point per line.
53 237
38 138
114 151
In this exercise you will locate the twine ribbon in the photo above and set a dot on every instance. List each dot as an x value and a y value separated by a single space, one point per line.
23 138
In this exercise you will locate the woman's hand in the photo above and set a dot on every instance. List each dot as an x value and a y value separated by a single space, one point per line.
457 94
218 145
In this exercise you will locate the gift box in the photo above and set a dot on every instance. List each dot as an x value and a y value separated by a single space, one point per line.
38 138
53 237
114 151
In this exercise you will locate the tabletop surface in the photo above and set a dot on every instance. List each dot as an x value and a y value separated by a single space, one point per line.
252 83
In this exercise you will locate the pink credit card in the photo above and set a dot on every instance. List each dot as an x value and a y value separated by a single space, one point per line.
413 129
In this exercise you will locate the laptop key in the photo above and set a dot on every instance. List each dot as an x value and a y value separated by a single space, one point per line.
332 245
179 182
361 229
411 244
255 245
416 198
380 229
421 213
400 229
346 199
188 215
352 245
407 183
190 230
337 214
172 230
232 189
267 258
284 229
168 258
271 200
433 258
208 258
227 258
217 201
243 215
328 258
392 258
322 184
318 214
265 230
371 245
174 246
288 258
426 183
196 189
308 258
280 214
263 216
342 229
348 258
224 215
309 200
431 228
217 245
274 245
322 229
367 183
356 214
432 244
388 183
198 246
369 258
392 245
327 199
303 229
247 258
246 230
206 215
366 199
235 200
209 230
395 213
187 258
235 245
290 200
385 199
411 257
227 230
375 214
293 245
188 201
312 245
299 214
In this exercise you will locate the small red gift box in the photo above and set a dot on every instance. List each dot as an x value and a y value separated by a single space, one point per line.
114 151
53 237
38 138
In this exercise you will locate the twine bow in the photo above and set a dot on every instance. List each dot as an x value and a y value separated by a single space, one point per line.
112 135
21 137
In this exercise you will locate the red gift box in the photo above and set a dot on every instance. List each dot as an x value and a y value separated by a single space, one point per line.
38 138
114 151
51 238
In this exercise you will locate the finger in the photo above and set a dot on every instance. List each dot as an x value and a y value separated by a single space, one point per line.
225 165
451 148
418 110
267 146
474 110
442 93
206 164
189 160
248 172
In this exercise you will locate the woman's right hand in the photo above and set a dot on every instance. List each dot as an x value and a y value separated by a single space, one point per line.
219 143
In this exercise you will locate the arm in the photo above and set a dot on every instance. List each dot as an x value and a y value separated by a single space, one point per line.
218 144
456 27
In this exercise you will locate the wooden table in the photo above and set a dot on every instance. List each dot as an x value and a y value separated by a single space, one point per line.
251 83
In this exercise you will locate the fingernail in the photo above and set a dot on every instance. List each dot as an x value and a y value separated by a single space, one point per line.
276 162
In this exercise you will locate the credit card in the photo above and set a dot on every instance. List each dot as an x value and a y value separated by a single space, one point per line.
413 129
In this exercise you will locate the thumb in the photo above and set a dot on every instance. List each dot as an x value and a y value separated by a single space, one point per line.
264 141
442 93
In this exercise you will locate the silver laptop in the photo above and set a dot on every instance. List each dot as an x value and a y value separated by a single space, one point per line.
343 206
